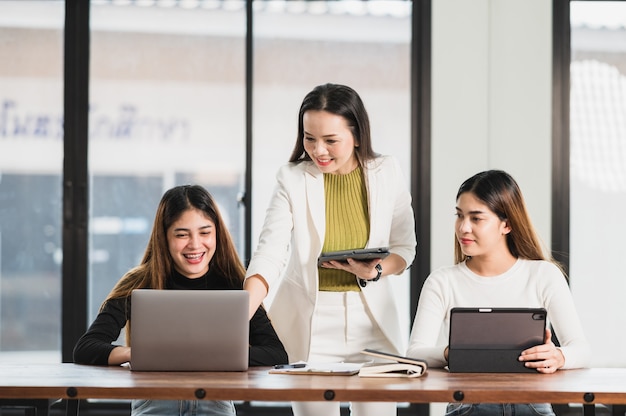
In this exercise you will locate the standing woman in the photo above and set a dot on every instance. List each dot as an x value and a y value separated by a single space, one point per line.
500 262
334 194
189 248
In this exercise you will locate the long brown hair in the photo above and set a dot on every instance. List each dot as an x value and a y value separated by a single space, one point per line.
343 101
501 193
157 265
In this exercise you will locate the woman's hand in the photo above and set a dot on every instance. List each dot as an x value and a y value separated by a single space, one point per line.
257 287
365 269
545 358
119 355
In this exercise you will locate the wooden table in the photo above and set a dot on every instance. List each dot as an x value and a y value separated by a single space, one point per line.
73 382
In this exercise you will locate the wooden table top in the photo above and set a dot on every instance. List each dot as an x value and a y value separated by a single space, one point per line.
72 381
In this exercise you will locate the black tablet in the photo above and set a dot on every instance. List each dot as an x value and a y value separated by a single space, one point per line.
489 340
356 254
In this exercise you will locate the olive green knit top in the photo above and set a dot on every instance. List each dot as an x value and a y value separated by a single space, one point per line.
347 225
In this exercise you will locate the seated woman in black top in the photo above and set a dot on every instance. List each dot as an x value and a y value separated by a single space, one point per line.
189 248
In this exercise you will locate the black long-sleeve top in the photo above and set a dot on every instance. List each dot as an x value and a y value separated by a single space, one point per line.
96 344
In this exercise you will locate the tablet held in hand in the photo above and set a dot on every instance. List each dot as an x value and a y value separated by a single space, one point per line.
356 254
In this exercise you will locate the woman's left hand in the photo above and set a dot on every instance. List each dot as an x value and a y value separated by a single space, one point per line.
365 269
545 358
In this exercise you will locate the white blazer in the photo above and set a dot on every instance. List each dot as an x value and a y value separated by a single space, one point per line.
292 237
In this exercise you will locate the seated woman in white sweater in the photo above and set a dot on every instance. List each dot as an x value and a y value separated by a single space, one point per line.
500 262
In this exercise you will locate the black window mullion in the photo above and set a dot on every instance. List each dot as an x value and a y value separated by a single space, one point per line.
421 24
561 55
421 143
246 199
75 175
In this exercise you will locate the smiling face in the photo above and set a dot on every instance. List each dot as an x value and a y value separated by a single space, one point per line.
479 231
329 142
191 241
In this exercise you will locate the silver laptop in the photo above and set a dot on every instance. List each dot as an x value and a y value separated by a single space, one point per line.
189 330
489 340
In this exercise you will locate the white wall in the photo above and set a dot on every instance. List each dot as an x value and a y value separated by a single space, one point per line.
491 105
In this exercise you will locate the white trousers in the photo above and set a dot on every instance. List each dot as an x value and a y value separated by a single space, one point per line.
342 327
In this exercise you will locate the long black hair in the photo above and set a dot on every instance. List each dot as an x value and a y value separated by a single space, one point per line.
342 101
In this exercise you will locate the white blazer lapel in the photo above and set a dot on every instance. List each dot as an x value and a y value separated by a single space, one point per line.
314 180
375 198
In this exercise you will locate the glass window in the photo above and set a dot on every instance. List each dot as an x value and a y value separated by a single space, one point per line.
167 107
31 162
598 173
299 45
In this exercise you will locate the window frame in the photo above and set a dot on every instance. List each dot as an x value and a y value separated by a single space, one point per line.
76 175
